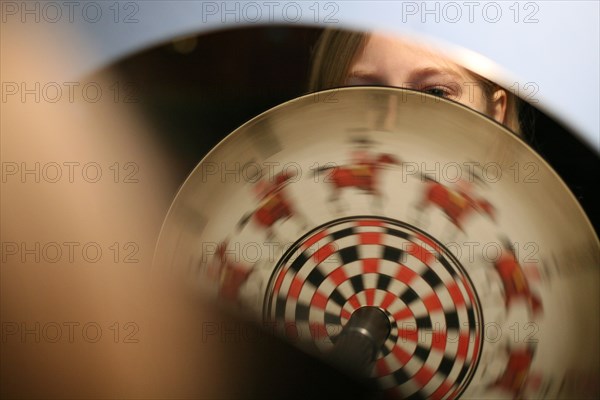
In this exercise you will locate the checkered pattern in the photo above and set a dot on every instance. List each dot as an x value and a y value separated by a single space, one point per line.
433 348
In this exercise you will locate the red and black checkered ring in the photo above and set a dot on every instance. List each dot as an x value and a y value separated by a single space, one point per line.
436 319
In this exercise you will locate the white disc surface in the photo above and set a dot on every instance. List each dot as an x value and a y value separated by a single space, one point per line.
476 250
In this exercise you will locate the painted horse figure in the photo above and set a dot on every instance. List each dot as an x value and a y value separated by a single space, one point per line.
273 205
514 282
517 373
361 175
457 203
231 275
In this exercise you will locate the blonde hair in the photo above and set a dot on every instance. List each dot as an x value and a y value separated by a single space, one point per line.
335 50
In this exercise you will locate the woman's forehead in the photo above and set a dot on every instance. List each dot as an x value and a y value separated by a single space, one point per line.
388 53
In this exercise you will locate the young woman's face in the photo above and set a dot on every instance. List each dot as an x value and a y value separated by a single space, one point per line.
393 62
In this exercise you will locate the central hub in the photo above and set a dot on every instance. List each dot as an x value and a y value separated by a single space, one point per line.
356 348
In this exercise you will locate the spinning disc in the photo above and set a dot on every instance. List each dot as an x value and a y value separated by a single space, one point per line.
480 257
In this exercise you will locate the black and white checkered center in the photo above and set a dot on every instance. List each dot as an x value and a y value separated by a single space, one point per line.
435 341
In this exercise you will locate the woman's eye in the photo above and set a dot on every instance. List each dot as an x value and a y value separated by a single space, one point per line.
437 91
363 82
367 80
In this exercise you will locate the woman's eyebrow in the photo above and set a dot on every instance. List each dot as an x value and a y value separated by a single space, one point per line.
362 73
427 72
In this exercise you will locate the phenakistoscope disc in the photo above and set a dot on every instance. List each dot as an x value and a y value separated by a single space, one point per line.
484 262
